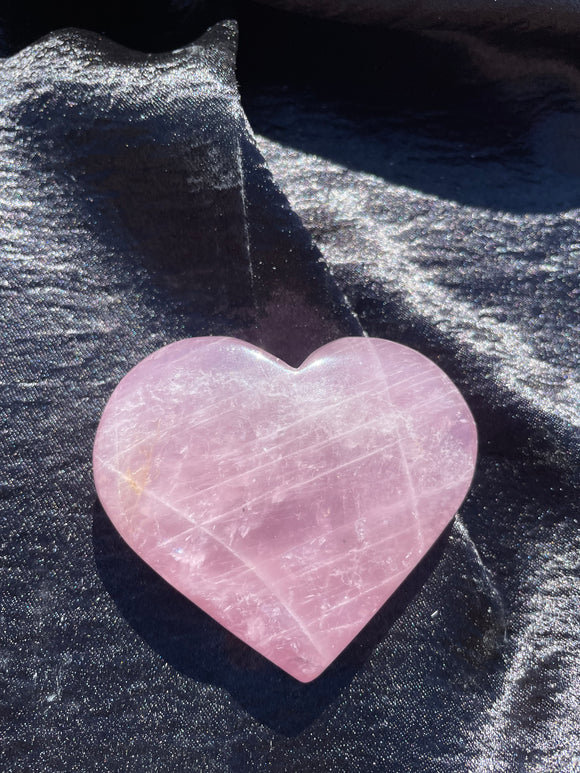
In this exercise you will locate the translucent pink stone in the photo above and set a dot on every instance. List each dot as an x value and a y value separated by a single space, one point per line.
287 503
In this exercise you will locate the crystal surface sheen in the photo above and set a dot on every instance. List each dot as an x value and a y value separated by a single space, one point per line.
288 503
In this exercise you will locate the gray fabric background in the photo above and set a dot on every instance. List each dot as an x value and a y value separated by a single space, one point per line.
371 180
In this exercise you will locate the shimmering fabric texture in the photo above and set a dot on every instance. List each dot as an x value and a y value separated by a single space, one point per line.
397 178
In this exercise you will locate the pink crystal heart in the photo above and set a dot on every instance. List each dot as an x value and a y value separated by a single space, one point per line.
287 503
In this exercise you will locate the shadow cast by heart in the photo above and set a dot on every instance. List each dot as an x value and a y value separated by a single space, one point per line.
201 649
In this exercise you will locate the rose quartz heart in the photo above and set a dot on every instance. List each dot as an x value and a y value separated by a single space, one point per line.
287 503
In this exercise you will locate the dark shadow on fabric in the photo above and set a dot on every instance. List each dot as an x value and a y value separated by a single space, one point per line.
454 116
298 304
201 649
149 25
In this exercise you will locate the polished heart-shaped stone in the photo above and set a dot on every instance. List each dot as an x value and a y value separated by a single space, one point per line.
288 503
